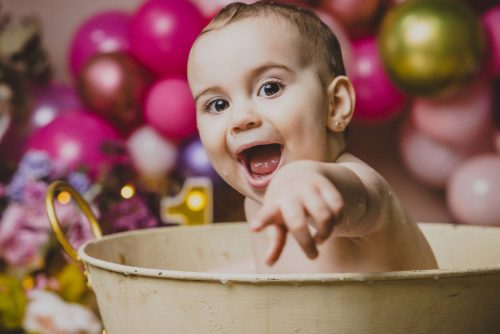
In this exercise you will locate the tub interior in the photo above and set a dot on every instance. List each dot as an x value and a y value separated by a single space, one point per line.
197 249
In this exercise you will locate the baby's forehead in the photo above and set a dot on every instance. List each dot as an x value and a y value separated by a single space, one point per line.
264 32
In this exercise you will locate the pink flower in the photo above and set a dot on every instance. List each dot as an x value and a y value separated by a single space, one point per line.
22 240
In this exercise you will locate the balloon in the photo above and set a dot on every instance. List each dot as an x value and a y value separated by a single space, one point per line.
429 161
210 8
114 85
496 140
169 108
78 139
377 98
491 21
473 191
102 33
162 32
193 160
152 155
357 16
431 47
461 121
342 37
50 101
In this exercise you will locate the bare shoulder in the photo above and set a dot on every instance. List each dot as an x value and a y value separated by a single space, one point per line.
364 171
379 194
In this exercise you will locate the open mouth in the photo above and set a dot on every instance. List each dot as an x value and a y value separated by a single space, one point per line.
260 162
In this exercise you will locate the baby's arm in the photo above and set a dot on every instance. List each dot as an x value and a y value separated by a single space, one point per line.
344 199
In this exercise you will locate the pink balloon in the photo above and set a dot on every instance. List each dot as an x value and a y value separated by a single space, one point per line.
461 121
152 155
491 21
357 16
170 108
473 192
210 8
429 161
78 139
102 33
497 141
114 85
162 32
377 99
50 101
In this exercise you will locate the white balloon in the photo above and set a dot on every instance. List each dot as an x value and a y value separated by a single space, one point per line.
152 155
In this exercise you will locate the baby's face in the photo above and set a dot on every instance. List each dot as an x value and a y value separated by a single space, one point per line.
258 106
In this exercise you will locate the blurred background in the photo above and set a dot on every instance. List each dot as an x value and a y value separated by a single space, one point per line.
94 93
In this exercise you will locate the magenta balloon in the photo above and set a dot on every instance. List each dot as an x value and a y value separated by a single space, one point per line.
102 33
473 192
491 21
429 161
50 101
162 32
170 108
78 139
377 99
461 121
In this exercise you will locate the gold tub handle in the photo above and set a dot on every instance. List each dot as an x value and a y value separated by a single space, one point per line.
52 191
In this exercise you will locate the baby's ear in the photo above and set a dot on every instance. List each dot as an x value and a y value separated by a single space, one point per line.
341 102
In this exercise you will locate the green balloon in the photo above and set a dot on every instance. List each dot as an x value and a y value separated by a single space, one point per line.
431 47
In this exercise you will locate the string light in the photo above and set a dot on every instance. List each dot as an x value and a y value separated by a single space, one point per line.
64 197
196 200
127 191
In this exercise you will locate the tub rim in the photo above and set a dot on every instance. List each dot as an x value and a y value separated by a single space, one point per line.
311 278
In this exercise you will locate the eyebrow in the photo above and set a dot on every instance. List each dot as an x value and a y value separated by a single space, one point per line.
253 73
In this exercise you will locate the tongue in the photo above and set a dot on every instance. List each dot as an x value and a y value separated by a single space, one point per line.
264 159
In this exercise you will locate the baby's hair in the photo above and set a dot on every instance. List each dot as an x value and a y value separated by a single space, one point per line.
318 39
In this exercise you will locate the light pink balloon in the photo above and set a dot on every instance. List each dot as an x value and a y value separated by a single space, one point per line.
152 155
491 21
473 191
429 161
461 121
169 108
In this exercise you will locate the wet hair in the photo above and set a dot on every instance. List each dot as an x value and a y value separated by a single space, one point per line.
318 41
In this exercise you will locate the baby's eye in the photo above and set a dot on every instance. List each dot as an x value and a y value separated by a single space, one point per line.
217 105
270 88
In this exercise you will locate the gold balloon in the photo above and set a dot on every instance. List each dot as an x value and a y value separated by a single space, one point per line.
431 47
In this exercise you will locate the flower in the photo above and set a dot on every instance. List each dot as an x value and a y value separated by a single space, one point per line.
21 243
47 313
130 214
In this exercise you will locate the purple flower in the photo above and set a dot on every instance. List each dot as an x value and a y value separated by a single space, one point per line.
35 165
15 188
79 181
130 214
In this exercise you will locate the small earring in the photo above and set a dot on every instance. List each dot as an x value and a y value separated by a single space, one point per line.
339 125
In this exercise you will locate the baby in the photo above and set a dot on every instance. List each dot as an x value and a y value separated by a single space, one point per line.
273 104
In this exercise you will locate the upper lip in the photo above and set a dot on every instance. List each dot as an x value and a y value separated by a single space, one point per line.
246 146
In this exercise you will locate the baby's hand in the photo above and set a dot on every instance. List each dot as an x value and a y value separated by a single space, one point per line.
299 195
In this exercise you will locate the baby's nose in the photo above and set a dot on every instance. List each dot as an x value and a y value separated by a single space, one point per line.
245 119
